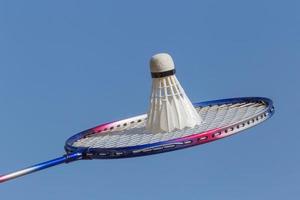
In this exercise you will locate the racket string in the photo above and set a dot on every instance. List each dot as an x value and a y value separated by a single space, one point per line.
136 134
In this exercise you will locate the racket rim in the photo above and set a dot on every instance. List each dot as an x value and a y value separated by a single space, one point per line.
161 146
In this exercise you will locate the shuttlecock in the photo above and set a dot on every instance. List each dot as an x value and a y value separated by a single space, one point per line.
170 108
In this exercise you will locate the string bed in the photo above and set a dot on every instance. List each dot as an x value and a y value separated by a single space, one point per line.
132 132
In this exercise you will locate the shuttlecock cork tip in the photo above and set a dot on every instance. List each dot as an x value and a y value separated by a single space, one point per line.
161 62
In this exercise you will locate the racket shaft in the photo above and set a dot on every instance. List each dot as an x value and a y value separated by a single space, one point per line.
40 166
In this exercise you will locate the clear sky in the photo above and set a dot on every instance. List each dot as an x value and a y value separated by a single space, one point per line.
66 66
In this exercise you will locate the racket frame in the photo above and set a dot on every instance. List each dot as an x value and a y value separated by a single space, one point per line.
173 144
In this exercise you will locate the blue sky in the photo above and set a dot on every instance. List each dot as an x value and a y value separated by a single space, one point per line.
66 66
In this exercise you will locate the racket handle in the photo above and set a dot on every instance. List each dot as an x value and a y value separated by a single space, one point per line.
64 159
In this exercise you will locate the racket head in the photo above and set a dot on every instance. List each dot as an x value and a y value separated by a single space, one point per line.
129 138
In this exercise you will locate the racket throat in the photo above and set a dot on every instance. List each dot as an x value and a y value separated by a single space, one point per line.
73 157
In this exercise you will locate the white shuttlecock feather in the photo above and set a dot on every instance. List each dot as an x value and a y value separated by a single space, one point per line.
170 108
